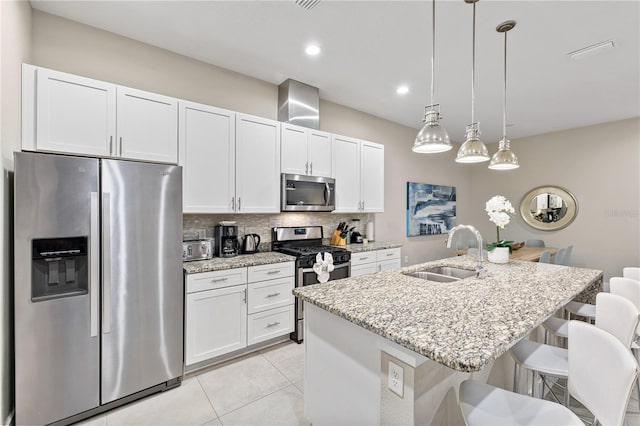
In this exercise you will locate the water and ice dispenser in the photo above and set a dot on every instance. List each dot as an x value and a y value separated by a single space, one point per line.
59 268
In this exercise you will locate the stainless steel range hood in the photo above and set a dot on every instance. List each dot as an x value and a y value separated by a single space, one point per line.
299 104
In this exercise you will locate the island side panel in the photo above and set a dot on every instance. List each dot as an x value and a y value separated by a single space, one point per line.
346 378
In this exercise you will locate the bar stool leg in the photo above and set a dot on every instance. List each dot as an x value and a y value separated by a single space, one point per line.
516 378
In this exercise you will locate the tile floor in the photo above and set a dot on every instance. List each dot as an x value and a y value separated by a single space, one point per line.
263 388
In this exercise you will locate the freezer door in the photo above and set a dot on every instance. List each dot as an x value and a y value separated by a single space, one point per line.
56 287
142 311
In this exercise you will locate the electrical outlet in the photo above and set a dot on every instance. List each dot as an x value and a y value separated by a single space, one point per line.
396 379
406 260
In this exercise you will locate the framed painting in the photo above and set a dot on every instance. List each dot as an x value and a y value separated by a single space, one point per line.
431 209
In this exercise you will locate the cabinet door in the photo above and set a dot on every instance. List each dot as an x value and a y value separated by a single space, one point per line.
389 264
207 156
346 169
147 126
293 150
73 114
216 323
257 165
319 153
372 176
363 269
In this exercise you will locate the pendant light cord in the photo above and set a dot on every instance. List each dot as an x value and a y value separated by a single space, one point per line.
433 47
473 67
504 99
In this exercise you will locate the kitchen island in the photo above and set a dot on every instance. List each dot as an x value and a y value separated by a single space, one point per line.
437 334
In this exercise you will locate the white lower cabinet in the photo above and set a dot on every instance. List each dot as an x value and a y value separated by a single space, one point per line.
369 262
271 301
269 324
363 263
388 259
231 309
216 323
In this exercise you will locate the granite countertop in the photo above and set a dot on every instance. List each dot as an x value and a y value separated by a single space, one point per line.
464 325
371 246
240 261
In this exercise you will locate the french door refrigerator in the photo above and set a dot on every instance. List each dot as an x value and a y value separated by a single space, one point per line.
98 295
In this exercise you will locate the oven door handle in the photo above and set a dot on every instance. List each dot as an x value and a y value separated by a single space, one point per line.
340 266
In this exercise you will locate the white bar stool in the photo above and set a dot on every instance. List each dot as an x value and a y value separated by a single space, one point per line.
601 373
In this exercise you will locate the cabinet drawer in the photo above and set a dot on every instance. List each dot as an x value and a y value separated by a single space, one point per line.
270 272
367 268
216 279
360 258
389 264
270 294
269 324
388 254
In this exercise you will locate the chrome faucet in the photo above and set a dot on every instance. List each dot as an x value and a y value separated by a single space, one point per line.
480 271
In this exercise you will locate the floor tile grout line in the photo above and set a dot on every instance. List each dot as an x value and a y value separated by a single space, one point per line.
262 397
208 398
251 402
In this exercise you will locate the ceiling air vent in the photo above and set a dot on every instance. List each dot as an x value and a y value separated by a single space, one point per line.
307 4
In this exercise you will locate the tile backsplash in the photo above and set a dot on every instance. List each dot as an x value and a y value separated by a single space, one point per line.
261 224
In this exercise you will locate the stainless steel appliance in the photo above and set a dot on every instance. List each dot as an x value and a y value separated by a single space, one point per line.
226 242
307 193
305 242
250 243
197 249
98 284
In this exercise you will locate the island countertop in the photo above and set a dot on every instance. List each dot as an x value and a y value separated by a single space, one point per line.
464 325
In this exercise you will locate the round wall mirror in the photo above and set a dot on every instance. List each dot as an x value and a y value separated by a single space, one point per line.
548 208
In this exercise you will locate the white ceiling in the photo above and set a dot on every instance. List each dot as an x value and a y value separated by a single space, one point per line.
371 47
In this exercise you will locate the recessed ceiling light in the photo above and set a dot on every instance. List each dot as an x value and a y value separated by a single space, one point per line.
591 50
402 90
312 50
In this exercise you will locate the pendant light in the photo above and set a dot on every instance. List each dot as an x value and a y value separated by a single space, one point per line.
504 159
432 138
473 150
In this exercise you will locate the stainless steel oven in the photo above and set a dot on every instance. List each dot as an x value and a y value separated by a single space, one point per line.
306 276
305 242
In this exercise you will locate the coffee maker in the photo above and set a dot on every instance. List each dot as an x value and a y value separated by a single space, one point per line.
226 242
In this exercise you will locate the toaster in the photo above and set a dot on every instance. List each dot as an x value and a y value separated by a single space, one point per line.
197 249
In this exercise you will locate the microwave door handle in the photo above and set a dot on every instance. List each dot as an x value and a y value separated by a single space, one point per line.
327 193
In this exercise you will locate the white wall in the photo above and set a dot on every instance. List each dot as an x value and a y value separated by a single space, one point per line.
15 45
600 165
72 47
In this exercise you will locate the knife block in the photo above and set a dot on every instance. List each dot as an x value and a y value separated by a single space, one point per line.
336 240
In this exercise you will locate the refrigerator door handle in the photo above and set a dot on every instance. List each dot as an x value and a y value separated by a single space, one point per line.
94 266
106 263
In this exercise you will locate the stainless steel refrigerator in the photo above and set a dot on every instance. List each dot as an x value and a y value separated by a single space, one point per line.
98 284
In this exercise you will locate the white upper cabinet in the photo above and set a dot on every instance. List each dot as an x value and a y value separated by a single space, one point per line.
67 113
346 166
359 172
372 176
207 141
293 147
257 165
72 114
147 126
305 151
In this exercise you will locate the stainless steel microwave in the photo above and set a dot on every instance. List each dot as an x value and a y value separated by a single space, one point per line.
307 193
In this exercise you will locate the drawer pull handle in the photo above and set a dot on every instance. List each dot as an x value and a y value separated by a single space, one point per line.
273 272
217 280
364 258
273 294
389 254
273 324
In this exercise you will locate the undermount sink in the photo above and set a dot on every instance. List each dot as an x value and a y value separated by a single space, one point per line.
442 274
